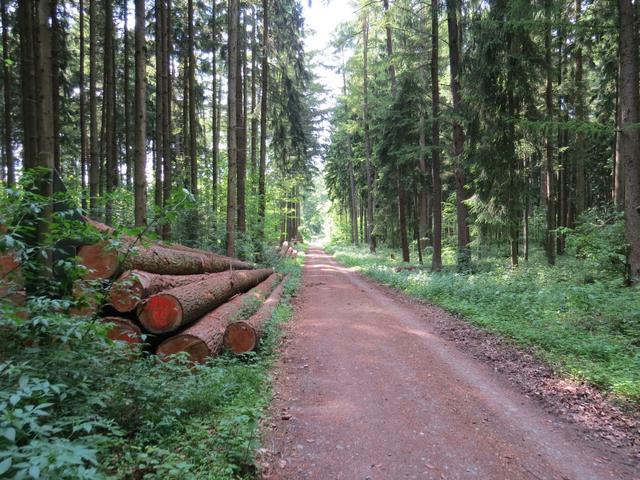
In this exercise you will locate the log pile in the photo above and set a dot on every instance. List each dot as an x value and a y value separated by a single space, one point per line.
171 298
205 337
167 298
242 336
286 250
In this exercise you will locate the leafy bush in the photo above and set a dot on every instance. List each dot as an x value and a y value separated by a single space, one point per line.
76 405
599 239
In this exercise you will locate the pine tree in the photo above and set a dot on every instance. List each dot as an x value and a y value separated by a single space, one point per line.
629 141
140 117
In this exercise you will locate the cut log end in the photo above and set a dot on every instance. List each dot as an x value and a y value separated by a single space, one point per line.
8 264
161 313
100 261
123 330
196 349
126 293
239 337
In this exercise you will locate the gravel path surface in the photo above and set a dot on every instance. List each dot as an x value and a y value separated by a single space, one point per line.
367 389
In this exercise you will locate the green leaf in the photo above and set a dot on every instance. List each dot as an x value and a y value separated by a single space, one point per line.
5 465
34 472
9 434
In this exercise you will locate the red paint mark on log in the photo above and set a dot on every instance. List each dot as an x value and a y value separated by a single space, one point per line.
240 337
99 260
161 313
123 330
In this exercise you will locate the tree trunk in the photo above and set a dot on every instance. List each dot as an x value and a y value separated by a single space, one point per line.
254 96
159 105
629 135
129 162
94 159
193 126
562 156
167 164
215 131
580 116
618 167
425 186
370 235
353 202
264 87
458 135
515 188
550 175
103 261
140 133
404 242
402 217
109 141
134 286
526 228
83 107
55 82
6 80
353 209
28 83
436 259
46 117
180 306
241 132
242 336
205 337
389 46
232 127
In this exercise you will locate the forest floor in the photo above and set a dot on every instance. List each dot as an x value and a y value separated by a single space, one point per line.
373 384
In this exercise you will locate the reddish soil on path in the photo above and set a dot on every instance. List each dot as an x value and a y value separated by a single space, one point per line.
367 389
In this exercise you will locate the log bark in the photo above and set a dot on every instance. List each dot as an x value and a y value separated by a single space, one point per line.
86 301
11 279
180 306
205 338
105 261
106 229
123 330
10 270
134 286
99 226
243 336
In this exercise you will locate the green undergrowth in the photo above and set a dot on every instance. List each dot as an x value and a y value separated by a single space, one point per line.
582 320
75 405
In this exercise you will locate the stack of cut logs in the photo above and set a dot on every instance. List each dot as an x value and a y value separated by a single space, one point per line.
176 298
287 250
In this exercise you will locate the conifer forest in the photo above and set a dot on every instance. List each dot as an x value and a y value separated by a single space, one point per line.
166 164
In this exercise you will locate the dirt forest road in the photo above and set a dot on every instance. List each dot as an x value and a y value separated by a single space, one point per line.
366 390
